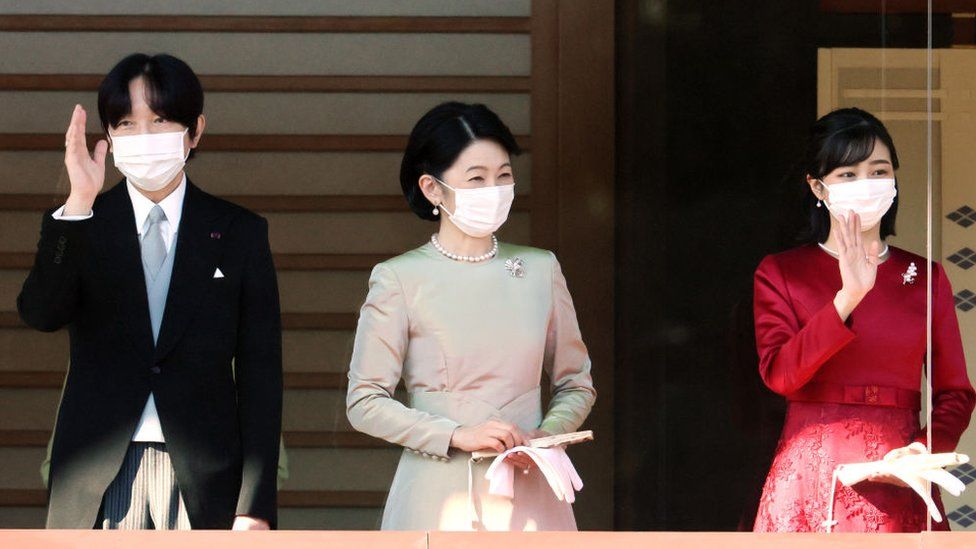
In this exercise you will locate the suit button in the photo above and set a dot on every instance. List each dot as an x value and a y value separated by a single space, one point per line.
155 369
62 240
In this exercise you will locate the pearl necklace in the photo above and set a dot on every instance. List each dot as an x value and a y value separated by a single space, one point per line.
883 253
468 258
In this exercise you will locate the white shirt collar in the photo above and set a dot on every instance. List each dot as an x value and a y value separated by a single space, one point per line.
172 205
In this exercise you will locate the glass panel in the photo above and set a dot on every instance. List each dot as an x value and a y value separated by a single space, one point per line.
716 103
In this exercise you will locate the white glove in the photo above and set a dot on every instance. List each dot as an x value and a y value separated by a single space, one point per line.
913 465
554 464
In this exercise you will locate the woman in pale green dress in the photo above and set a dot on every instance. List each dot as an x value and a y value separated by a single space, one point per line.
469 324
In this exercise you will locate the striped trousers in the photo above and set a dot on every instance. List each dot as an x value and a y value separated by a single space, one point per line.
144 495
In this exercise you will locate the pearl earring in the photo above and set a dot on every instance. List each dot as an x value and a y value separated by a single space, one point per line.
436 211
819 202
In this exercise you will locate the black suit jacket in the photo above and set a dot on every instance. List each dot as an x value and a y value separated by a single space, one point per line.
222 433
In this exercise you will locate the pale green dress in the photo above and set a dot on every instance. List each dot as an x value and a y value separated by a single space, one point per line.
470 342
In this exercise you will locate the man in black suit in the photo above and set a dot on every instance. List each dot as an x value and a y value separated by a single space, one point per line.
171 412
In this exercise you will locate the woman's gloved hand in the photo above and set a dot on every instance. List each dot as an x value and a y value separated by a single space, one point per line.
910 466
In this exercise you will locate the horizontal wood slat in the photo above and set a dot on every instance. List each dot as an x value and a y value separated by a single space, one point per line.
286 498
293 439
315 380
290 83
245 23
325 262
332 439
9 319
23 498
242 142
319 321
24 438
283 262
330 498
259 203
16 260
54 379
31 380
963 31
289 321
235 142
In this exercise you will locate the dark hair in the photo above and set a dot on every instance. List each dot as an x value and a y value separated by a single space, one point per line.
843 138
172 90
439 138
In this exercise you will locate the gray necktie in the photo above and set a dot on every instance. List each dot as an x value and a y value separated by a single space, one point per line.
153 246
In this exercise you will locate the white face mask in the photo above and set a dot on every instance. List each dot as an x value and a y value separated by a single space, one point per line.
869 198
480 212
149 160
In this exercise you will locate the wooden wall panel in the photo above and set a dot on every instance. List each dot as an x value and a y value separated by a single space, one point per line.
326 291
308 116
289 83
259 24
28 408
545 122
426 8
584 186
312 204
29 350
258 53
234 173
308 351
357 469
271 113
301 291
21 467
325 518
364 233
304 350
351 469
312 410
305 409
303 233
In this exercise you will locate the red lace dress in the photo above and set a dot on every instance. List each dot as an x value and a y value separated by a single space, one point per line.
853 387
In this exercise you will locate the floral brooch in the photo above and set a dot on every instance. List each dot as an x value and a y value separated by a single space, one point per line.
908 277
515 267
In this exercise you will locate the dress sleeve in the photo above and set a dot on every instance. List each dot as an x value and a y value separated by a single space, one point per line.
952 393
790 355
375 370
566 362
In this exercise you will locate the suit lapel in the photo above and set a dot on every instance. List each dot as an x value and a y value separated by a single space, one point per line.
197 255
119 245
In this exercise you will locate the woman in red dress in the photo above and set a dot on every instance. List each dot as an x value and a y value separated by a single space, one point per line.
841 333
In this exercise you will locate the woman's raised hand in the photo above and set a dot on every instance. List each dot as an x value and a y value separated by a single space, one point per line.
86 171
490 435
858 265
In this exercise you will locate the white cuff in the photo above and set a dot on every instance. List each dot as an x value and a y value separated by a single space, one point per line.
59 215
